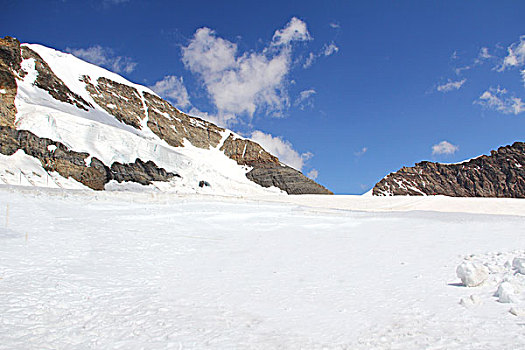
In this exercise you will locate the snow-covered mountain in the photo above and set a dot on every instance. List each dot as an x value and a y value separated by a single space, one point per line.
67 123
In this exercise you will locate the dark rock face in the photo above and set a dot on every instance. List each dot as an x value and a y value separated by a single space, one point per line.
267 170
121 101
502 174
48 81
285 178
10 59
142 172
55 156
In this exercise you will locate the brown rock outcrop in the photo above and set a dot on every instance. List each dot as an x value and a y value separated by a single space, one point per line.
56 157
10 59
171 125
267 169
502 174
121 101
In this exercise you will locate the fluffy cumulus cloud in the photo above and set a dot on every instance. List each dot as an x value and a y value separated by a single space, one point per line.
243 83
305 99
281 148
444 147
451 85
105 57
295 30
500 100
515 55
173 89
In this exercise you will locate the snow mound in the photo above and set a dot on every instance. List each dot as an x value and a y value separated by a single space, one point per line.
500 274
472 274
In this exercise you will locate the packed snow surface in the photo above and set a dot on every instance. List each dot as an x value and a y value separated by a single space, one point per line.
90 270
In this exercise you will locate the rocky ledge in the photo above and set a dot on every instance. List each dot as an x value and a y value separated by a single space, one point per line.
90 171
502 174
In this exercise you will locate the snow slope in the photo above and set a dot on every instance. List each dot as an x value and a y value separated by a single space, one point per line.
101 135
84 269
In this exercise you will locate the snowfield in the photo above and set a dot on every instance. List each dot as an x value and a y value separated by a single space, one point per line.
125 270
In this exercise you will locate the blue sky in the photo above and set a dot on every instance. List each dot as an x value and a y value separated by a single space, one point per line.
346 91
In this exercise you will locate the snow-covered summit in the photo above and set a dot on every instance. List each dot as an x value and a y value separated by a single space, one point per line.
75 123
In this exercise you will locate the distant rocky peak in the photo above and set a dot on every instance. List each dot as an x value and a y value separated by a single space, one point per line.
502 174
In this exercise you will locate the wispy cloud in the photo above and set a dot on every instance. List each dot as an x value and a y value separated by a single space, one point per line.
361 152
313 174
304 100
500 100
113 2
444 147
241 83
484 54
105 57
173 89
334 25
330 49
327 50
451 85
281 148
309 60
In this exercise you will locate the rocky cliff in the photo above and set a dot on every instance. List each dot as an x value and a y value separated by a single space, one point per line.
502 174
132 106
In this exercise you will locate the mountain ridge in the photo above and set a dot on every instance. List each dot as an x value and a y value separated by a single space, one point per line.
55 99
500 174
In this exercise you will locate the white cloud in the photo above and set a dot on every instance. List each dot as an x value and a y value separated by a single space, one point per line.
313 174
242 83
361 152
309 60
498 99
113 2
327 50
451 85
515 55
304 100
295 30
173 89
459 70
330 49
444 147
105 57
454 55
334 25
484 53
281 148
